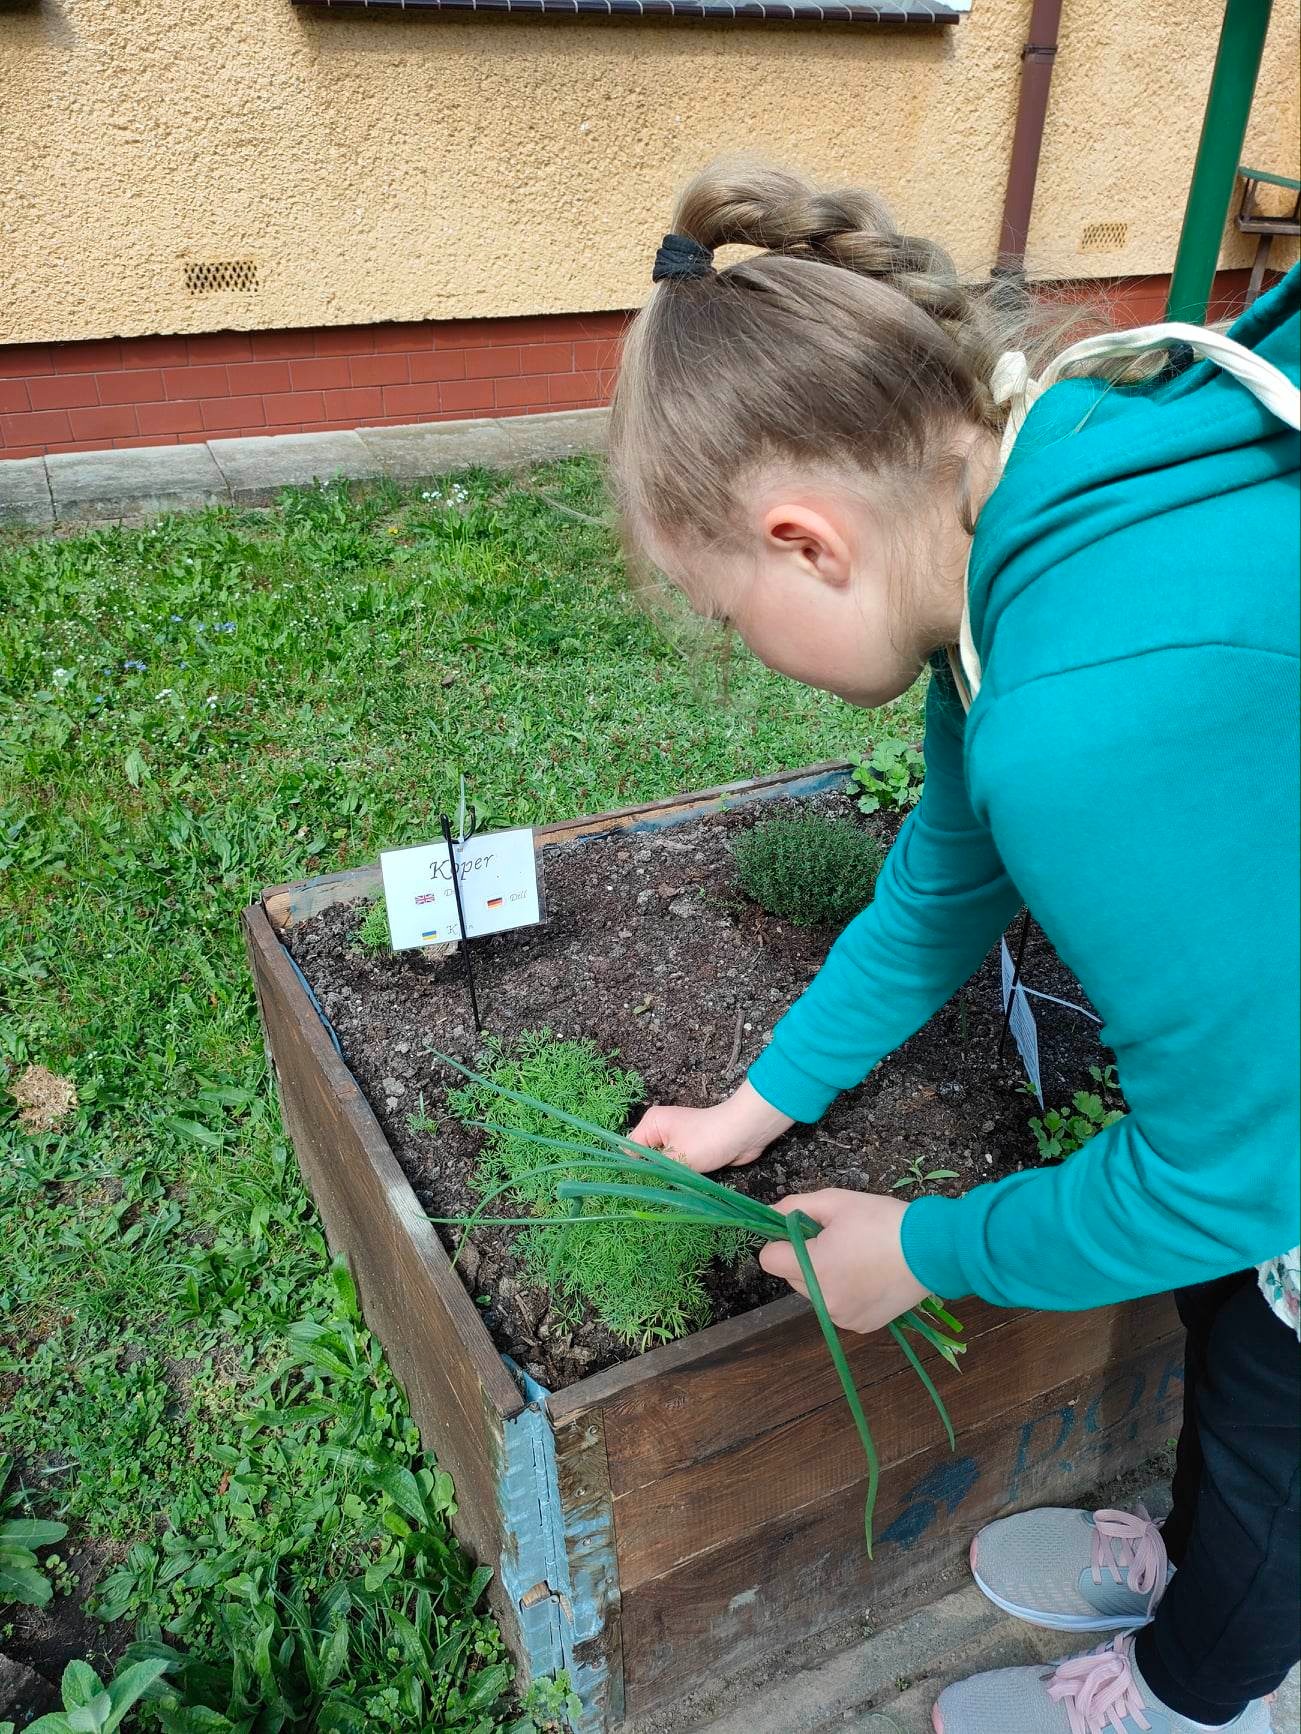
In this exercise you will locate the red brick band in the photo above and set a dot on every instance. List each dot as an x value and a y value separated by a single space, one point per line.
144 391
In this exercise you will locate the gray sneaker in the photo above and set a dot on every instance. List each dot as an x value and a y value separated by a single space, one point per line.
1073 1571
1101 1693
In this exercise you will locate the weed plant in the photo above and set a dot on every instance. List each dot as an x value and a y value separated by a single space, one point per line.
809 870
95 1706
642 1280
420 1120
639 1186
917 1178
23 1578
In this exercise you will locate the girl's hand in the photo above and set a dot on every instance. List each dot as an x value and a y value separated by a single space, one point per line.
858 1259
727 1136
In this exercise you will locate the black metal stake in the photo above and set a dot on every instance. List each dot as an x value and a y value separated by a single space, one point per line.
1016 976
446 824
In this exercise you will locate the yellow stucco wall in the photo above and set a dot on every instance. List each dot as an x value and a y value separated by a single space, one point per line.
419 166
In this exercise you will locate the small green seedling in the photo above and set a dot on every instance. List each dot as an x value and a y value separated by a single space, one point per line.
646 1186
373 934
1063 1131
421 1120
914 1177
550 1704
891 776
809 870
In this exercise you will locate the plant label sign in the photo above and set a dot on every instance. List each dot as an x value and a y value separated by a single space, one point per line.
498 874
1025 1033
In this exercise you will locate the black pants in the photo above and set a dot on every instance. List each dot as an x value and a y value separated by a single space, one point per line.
1229 1627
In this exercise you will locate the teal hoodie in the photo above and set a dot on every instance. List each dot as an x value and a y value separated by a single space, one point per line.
1129 769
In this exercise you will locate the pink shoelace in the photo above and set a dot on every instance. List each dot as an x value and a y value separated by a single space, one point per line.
1137 1541
1098 1690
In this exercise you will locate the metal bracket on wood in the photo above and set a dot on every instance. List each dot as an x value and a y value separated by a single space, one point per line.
557 1617
316 1005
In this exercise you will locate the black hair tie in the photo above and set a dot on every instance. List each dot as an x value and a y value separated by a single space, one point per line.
680 259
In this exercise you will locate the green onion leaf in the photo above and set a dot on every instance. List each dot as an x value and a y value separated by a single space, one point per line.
631 1173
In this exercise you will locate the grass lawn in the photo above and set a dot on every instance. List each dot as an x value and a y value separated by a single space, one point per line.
189 711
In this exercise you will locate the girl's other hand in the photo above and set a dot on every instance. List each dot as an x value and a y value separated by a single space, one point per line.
857 1259
735 1132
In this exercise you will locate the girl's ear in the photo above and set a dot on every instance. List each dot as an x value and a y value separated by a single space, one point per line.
813 539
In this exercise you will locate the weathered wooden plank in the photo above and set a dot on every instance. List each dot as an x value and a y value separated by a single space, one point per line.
299 898
689 1400
285 904
458 1389
761 1592
783 1467
678 809
583 1475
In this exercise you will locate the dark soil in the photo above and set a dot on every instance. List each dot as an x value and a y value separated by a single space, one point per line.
47 1639
649 950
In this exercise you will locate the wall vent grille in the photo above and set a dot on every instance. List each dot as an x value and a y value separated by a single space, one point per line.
221 277
1103 237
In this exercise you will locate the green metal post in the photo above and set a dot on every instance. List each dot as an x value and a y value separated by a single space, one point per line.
1233 82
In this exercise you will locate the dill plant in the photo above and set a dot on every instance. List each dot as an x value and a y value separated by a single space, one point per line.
373 931
644 1279
808 870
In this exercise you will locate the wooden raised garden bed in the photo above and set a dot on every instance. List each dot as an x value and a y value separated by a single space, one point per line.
699 1506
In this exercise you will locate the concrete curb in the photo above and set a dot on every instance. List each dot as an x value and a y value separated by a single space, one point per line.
90 487
25 492
98 487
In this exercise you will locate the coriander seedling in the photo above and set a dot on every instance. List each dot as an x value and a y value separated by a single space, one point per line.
891 776
1060 1132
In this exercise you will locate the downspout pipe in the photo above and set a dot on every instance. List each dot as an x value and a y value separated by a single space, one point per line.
1037 59
1228 105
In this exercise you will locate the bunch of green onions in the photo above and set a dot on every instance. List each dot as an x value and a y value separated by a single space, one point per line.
658 1188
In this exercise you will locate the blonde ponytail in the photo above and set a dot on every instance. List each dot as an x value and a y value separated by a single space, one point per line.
843 343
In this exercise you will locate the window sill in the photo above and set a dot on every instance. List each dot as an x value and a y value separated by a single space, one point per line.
730 11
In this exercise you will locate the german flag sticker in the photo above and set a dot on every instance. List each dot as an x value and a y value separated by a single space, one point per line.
495 902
